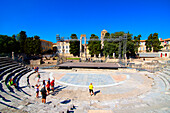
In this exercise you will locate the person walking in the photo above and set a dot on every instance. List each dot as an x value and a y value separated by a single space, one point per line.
37 90
43 83
38 76
44 95
91 89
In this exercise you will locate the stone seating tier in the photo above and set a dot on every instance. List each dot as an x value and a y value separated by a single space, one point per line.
9 70
7 66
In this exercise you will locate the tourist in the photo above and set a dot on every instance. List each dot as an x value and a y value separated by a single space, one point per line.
38 77
49 80
35 69
11 82
44 94
91 89
48 87
52 85
43 83
37 90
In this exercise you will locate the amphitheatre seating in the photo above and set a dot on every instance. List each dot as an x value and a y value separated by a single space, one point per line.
18 99
10 69
8 66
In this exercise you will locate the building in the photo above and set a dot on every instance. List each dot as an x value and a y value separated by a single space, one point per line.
63 47
164 53
142 48
46 45
165 43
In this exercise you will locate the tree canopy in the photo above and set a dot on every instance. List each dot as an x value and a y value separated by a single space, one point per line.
74 45
153 42
20 44
94 46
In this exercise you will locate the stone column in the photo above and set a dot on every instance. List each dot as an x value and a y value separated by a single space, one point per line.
13 56
99 55
119 56
113 55
80 46
94 55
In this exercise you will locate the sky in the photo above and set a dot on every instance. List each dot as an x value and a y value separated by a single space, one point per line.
46 18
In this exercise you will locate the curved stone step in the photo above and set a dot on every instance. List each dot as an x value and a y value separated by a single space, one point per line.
8 66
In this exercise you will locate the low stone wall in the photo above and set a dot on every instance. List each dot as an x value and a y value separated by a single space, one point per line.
35 62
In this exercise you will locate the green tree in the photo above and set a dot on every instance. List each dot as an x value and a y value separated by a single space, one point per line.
153 42
94 46
156 43
37 45
28 46
111 47
137 43
130 51
22 39
74 45
8 44
149 43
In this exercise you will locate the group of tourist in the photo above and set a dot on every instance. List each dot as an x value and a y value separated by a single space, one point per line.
45 90
49 86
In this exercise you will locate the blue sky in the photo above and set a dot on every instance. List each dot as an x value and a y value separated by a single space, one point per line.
46 18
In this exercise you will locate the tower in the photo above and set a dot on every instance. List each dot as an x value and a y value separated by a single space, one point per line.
102 37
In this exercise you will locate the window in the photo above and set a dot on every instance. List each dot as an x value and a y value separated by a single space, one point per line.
66 47
66 51
140 48
143 48
63 47
59 47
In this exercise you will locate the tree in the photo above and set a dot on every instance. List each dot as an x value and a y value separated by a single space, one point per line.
22 39
37 45
156 43
153 42
28 47
137 43
130 51
111 47
94 46
74 45
8 44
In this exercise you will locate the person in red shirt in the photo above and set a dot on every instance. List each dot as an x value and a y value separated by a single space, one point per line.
48 88
52 85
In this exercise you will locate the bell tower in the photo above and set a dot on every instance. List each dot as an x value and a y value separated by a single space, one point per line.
102 37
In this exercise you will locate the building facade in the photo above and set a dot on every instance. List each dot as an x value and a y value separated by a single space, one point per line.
46 45
63 47
165 43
